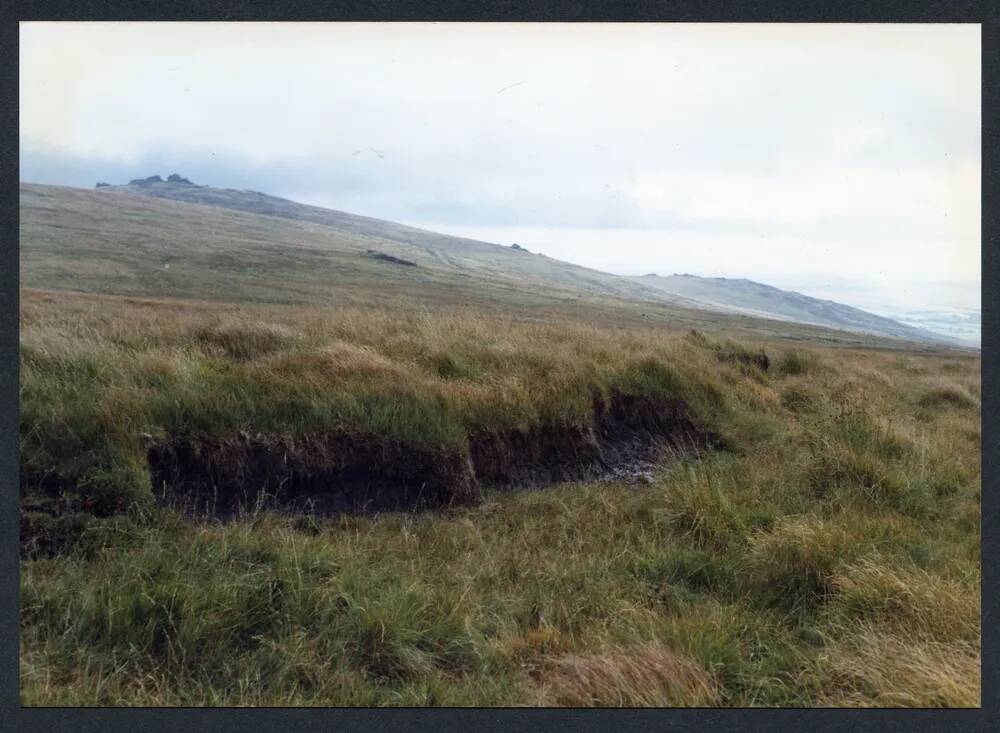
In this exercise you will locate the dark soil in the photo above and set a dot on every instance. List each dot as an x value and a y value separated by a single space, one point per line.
626 437
322 474
341 472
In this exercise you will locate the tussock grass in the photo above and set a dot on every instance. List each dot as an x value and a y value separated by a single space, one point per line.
701 508
648 676
829 555
800 398
873 669
910 601
948 396
745 358
793 565
245 340
796 361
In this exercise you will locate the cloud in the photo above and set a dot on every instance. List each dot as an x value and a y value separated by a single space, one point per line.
851 135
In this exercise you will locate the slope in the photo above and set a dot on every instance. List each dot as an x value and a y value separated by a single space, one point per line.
454 252
169 240
754 298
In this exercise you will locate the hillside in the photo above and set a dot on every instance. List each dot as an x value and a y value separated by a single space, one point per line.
112 241
829 555
174 239
270 461
754 298
455 253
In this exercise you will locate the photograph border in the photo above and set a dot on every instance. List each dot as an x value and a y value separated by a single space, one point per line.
14 717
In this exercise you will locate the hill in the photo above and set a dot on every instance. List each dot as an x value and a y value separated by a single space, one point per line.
174 239
111 240
443 250
754 298
272 461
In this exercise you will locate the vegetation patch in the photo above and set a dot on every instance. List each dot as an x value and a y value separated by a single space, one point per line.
830 555
948 396
796 361
46 533
243 340
800 399
350 472
874 669
911 601
734 353
651 676
793 565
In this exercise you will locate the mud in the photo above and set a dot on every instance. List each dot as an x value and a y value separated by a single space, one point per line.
341 472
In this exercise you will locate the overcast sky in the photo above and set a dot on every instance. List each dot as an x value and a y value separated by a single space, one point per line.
840 160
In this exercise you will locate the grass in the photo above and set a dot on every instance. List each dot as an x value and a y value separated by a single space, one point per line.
638 677
97 375
829 556
113 242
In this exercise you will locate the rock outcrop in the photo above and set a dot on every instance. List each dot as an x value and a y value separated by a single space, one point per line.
145 181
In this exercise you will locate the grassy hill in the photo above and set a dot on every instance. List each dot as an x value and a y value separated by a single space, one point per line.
236 246
729 510
334 232
753 298
731 295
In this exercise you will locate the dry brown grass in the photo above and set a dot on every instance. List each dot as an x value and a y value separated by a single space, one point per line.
948 395
333 361
830 556
912 602
874 669
246 339
650 676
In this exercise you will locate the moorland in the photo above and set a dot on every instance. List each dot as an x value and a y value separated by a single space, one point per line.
264 461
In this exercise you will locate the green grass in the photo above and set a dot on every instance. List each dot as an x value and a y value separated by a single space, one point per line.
829 556
98 375
114 242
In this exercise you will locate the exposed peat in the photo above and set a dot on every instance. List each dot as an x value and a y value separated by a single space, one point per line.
338 472
320 473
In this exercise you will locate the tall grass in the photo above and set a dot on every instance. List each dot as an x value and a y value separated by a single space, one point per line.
95 382
829 556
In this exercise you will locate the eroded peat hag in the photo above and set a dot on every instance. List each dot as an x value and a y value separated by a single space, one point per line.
625 437
321 474
337 472
821 549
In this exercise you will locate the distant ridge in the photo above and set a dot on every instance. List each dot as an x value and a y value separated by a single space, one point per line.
338 239
739 295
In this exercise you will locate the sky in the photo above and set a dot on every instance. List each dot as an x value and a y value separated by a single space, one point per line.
842 161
